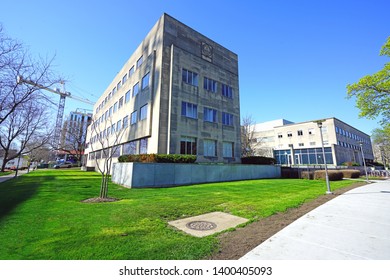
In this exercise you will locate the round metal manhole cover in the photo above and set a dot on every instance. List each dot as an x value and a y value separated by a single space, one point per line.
201 225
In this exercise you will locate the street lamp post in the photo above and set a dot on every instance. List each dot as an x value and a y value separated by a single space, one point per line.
328 191
17 166
364 161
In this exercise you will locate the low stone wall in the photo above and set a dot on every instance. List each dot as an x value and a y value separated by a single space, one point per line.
142 175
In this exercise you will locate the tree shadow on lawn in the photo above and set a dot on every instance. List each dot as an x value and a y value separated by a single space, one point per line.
15 191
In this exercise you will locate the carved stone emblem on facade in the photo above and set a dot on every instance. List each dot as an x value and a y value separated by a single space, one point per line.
207 52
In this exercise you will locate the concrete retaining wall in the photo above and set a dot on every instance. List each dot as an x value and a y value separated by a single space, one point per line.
141 175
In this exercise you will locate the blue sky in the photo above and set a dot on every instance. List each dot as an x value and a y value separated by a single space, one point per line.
295 57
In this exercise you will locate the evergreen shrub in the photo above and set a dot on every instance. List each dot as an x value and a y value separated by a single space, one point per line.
158 158
258 160
334 175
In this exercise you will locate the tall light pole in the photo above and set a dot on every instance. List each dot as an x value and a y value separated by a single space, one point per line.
319 123
17 166
364 161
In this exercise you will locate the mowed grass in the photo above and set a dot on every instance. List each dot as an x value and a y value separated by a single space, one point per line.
42 216
5 173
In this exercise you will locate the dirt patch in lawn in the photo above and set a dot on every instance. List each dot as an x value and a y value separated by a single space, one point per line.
99 200
235 244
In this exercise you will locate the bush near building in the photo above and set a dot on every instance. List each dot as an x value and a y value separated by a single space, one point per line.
307 175
158 158
350 173
350 163
334 175
258 160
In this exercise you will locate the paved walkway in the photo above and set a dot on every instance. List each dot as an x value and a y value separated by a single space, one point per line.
352 226
12 175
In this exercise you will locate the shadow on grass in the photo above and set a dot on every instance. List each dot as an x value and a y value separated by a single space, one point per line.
16 191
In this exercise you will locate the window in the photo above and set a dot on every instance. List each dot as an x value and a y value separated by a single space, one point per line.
118 86
131 71
188 146
140 61
120 103
228 149
312 143
125 121
119 125
108 130
145 81
116 151
110 112
289 134
324 129
135 89
143 146
326 142
210 148
300 132
190 77
227 91
130 148
127 96
113 129
106 115
209 115
300 144
227 119
209 84
92 156
124 79
189 110
109 96
115 107
113 90
133 118
143 114
280 135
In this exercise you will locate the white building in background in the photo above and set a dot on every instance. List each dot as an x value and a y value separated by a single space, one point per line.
300 143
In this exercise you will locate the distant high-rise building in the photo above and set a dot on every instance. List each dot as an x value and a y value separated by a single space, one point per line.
177 94
74 134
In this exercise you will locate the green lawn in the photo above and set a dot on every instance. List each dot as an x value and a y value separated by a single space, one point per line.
42 216
5 173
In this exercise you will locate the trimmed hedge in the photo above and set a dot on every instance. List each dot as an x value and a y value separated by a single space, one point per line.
350 173
334 175
350 163
307 175
258 160
158 158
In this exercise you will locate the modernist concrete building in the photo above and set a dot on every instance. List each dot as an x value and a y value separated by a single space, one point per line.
177 94
300 143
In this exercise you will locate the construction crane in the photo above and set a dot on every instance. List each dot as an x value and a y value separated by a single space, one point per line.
61 105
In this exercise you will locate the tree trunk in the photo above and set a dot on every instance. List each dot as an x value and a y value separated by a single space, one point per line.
104 186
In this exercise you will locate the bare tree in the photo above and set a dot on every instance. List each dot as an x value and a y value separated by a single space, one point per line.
23 108
248 140
41 154
15 61
104 140
28 125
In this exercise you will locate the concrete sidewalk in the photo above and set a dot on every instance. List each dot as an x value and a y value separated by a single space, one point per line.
352 226
11 176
